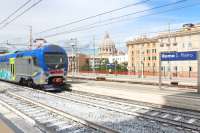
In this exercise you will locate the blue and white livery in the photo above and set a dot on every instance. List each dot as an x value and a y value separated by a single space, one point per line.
45 67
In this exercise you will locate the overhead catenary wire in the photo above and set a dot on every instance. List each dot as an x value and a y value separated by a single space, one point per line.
13 13
33 5
138 34
92 25
78 29
144 33
107 12
164 11
94 16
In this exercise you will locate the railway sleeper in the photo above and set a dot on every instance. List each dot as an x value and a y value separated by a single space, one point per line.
65 128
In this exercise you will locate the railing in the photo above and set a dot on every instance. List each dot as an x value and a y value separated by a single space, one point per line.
145 74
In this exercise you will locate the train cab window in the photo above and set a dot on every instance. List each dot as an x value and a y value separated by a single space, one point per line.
35 61
29 60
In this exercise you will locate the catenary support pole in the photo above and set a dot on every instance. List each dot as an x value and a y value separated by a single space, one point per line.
198 72
30 38
160 72
93 64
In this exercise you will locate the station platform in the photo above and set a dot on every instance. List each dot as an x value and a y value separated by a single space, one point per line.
150 80
10 122
4 128
168 96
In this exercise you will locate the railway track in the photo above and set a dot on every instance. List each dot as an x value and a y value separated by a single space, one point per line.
49 119
189 121
182 121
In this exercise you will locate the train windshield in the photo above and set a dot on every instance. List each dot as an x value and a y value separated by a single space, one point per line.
55 60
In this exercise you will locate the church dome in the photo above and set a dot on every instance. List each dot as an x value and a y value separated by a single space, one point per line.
107 41
107 47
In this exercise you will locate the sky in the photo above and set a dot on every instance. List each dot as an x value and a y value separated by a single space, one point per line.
50 13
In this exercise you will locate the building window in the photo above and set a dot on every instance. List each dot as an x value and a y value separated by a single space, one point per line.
154 58
161 45
168 45
189 45
153 50
183 45
175 44
190 68
168 69
175 68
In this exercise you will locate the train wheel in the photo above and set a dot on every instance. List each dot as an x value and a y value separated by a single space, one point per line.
30 83
22 82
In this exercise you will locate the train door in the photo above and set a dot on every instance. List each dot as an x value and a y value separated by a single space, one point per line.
12 69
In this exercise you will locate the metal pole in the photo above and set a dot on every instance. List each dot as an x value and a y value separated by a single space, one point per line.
169 41
94 54
77 56
74 42
115 68
160 72
72 62
30 38
198 72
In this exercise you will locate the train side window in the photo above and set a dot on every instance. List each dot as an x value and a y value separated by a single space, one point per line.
29 60
11 68
35 61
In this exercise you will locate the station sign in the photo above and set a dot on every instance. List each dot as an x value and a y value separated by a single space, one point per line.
110 65
178 56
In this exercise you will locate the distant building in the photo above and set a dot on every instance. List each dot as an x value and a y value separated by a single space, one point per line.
143 56
3 50
118 58
107 47
143 53
96 61
185 39
39 42
77 62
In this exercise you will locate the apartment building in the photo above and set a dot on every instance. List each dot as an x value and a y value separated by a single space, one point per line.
143 52
186 38
143 56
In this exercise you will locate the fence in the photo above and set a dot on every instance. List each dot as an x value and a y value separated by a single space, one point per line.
183 74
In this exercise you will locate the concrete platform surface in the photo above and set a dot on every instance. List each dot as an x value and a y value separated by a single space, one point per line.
192 82
4 128
12 123
170 96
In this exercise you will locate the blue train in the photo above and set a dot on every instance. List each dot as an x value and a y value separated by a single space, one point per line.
44 67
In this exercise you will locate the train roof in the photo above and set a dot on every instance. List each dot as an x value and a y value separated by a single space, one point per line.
47 47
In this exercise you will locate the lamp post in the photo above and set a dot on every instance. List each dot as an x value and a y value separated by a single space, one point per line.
73 44
93 65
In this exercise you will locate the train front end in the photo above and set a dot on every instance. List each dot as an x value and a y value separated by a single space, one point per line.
55 67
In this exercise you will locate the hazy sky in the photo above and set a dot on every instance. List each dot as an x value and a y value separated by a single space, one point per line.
51 13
